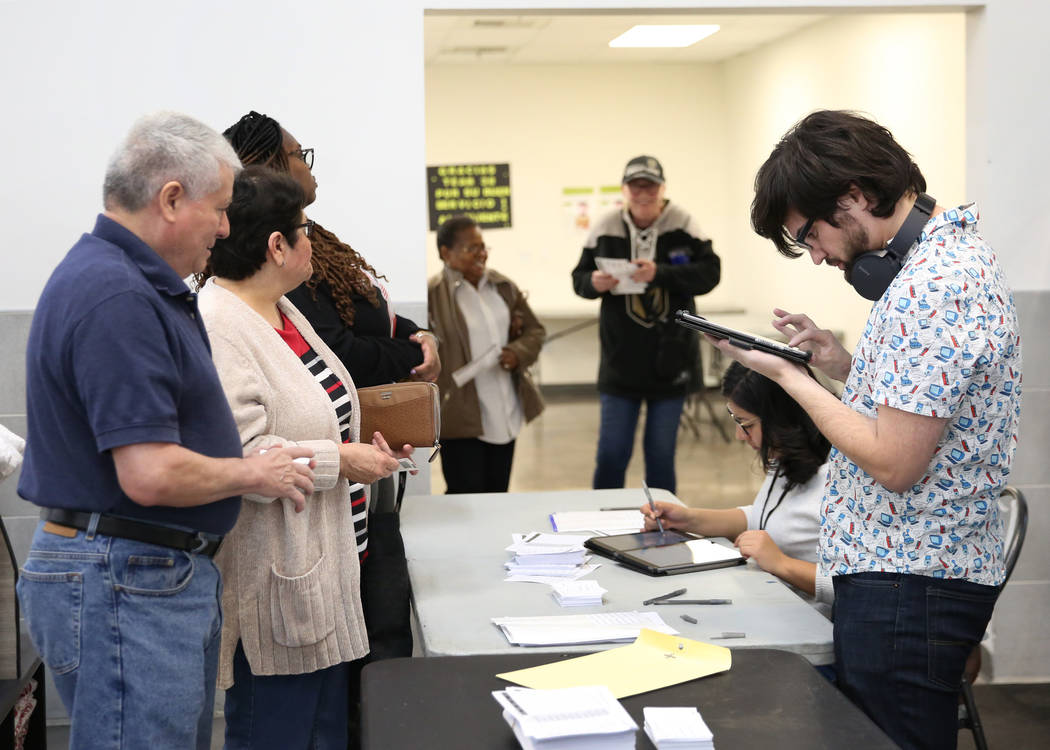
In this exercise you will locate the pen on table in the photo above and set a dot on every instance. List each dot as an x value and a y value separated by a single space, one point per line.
632 507
652 507
664 600
728 635
676 592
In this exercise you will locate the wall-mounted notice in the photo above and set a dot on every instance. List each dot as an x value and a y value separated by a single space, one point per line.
480 191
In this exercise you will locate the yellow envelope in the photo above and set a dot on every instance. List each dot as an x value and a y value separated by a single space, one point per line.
653 661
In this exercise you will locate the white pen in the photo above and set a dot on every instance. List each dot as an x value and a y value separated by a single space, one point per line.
652 507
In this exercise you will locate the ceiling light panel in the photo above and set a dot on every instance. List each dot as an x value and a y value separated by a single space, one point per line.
664 35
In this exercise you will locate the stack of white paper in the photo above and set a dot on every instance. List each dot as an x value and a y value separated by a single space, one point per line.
601 522
577 593
677 729
546 558
576 718
557 630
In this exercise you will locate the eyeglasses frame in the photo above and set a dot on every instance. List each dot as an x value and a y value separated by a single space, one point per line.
800 237
305 155
745 426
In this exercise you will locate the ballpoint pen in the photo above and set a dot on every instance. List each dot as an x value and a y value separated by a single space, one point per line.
652 507
657 599
692 601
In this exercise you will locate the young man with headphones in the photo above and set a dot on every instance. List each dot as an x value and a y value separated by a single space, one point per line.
924 434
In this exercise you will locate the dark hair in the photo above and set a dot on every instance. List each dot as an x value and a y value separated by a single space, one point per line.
450 229
817 162
259 139
264 201
790 440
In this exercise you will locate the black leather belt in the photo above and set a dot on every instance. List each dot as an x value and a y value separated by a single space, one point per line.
198 543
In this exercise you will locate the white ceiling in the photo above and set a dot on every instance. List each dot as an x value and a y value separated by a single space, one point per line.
536 39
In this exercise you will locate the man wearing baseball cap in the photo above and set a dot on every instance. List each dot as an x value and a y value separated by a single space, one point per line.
645 356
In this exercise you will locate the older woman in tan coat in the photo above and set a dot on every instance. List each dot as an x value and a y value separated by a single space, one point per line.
291 600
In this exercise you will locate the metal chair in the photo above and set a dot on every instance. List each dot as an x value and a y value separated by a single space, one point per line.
1014 508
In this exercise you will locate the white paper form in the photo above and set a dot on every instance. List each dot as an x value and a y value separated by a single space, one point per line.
542 543
545 577
600 521
683 727
621 270
469 371
577 593
704 550
567 712
557 630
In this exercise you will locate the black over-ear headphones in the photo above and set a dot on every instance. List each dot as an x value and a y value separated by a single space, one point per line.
871 273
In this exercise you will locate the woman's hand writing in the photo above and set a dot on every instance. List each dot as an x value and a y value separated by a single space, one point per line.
673 515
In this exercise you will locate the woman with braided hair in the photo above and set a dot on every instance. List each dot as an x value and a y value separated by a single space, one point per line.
345 300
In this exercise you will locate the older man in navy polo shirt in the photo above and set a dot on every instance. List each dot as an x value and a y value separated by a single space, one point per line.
133 454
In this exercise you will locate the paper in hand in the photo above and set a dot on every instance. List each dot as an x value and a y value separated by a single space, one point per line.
621 270
469 371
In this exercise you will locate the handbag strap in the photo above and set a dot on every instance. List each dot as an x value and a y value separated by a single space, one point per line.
402 482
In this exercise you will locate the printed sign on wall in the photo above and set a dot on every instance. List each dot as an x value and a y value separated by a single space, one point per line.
480 191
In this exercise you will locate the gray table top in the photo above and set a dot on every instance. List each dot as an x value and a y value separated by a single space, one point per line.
456 547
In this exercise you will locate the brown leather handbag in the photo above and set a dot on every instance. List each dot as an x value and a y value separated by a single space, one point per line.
408 412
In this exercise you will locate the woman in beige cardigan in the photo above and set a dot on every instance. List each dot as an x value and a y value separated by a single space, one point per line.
291 599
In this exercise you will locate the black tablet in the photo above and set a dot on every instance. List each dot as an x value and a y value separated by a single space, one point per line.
740 338
663 553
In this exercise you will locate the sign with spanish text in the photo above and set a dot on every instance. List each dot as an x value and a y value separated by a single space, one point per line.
480 191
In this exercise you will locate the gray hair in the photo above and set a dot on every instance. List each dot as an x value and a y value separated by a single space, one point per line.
166 147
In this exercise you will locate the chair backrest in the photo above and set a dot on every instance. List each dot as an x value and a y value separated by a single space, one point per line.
1014 508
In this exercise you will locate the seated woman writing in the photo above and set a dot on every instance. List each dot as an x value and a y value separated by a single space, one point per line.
293 619
779 530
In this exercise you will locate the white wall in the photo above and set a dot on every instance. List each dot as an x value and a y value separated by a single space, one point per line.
344 77
858 62
575 125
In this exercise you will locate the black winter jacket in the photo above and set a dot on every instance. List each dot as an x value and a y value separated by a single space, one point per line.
644 352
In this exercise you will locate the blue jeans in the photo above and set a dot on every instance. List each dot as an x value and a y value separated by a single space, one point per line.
901 643
140 624
287 711
619 419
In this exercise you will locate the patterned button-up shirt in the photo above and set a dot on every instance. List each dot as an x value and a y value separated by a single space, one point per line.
943 341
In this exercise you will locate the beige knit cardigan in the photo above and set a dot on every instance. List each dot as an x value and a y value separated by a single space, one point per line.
291 581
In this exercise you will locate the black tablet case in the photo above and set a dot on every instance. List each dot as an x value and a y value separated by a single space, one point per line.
619 547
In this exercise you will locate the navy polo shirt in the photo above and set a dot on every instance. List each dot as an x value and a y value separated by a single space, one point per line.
118 355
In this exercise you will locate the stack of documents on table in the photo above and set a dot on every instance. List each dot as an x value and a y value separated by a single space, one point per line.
577 593
546 558
560 630
599 521
677 729
577 718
